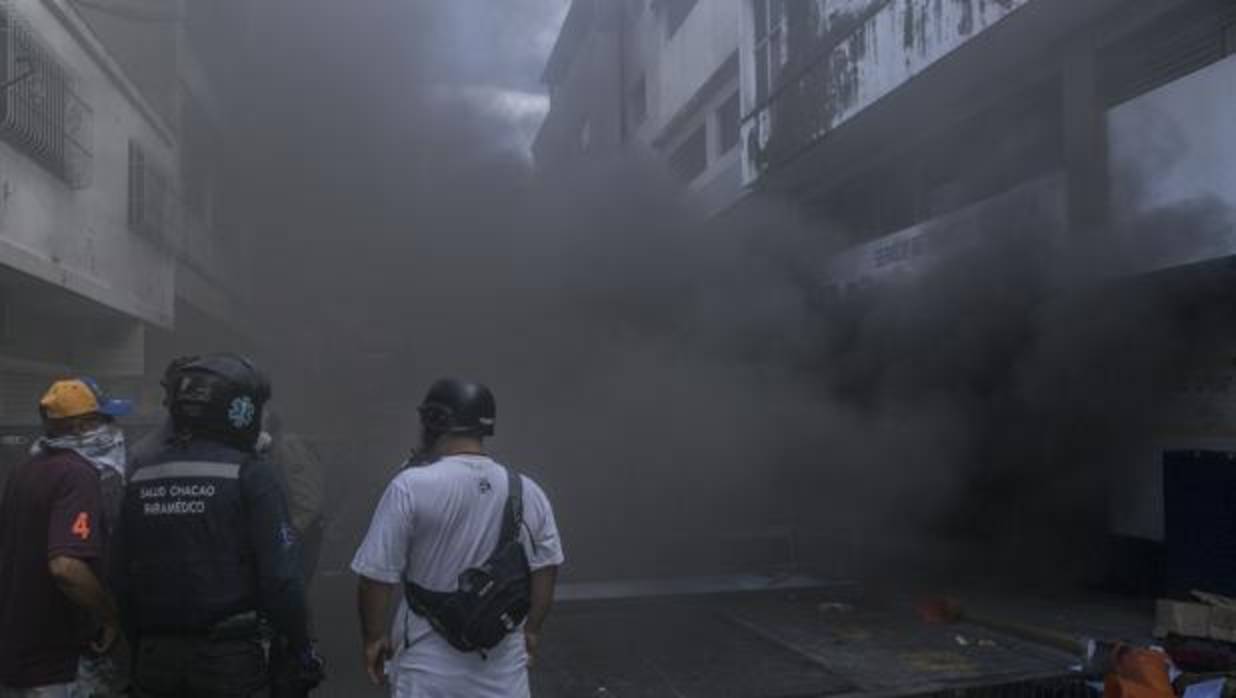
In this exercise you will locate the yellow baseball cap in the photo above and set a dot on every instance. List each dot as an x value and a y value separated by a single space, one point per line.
75 397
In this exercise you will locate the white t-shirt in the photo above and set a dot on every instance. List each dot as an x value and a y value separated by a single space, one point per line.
432 523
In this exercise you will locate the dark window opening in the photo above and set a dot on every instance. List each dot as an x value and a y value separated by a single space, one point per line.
728 123
985 155
148 195
770 20
676 12
760 10
691 158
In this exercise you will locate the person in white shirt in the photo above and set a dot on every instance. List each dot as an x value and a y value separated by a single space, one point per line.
441 515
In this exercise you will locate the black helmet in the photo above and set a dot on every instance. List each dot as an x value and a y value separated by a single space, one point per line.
458 407
171 376
220 396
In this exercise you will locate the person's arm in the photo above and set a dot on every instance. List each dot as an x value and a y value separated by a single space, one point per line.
277 551
545 558
75 537
543 582
79 583
373 603
379 564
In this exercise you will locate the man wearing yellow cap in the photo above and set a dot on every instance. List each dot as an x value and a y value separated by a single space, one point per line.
52 604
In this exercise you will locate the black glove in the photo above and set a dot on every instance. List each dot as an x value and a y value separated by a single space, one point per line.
312 670
295 673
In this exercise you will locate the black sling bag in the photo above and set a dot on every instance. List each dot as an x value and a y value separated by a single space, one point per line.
492 600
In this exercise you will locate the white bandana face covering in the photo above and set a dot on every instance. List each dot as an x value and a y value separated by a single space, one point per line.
103 447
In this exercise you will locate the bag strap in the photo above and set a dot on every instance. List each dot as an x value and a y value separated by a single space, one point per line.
513 515
424 602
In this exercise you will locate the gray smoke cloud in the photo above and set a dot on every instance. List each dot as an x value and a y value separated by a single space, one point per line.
675 384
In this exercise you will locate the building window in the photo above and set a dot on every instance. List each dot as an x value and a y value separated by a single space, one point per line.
691 158
148 195
676 12
770 52
637 102
728 122
39 113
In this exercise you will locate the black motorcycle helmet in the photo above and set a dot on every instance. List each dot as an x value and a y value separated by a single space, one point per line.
171 376
219 396
458 407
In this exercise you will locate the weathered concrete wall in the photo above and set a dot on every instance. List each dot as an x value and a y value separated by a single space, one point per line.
79 238
842 56
587 92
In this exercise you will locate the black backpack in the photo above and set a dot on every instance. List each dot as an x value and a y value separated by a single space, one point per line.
492 600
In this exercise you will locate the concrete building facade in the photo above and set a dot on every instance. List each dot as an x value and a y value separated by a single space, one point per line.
906 127
893 119
112 258
656 78
911 128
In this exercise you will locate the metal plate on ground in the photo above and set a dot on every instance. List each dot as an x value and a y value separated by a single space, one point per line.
671 649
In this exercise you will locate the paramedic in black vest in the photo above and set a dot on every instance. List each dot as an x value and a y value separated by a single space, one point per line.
206 552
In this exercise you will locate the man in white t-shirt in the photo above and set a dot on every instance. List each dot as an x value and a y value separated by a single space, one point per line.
441 515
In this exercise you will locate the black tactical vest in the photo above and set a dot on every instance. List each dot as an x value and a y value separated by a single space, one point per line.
188 554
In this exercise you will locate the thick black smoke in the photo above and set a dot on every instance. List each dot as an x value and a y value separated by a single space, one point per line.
678 385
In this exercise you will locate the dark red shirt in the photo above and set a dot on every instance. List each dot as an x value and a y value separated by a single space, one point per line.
51 508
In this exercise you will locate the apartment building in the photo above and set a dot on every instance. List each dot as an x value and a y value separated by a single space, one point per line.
657 79
113 253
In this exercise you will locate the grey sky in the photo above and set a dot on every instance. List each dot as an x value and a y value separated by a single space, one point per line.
508 43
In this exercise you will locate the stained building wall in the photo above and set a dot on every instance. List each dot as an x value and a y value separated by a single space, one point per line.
832 60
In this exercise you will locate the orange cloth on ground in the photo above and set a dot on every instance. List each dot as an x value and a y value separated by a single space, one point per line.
1139 673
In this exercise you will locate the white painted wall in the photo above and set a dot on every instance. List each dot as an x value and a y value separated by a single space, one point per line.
689 58
79 239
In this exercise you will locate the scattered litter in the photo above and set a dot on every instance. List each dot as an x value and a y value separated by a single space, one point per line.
961 640
987 643
939 663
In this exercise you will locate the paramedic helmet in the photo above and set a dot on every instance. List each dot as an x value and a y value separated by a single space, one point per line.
220 396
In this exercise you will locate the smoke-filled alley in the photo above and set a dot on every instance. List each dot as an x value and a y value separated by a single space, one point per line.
781 348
